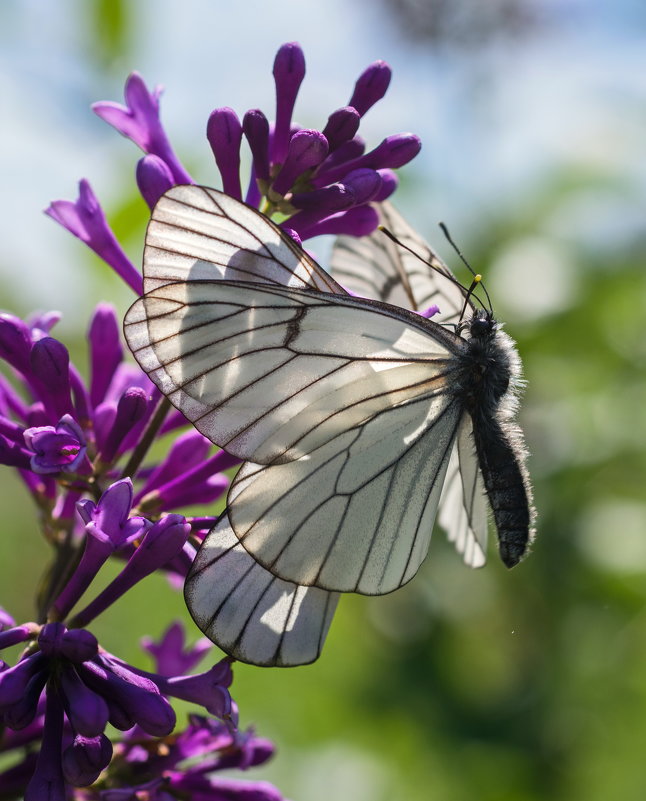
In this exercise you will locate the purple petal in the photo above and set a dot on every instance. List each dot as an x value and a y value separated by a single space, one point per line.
47 783
371 86
323 201
389 183
50 366
307 149
224 132
86 220
13 455
86 710
153 179
256 129
15 342
289 71
394 151
358 221
139 121
161 543
131 408
21 714
341 126
171 656
84 760
56 449
189 450
138 696
14 680
106 352
206 689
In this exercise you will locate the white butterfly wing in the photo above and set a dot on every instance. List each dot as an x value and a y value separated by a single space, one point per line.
196 233
463 506
376 267
356 515
272 373
249 613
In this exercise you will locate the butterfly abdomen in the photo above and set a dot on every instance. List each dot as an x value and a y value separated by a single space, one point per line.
488 378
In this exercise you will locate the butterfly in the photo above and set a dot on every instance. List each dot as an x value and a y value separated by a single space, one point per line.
356 418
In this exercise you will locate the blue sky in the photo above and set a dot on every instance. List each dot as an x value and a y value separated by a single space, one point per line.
494 121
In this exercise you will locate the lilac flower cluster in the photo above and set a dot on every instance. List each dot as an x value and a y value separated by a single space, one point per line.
83 451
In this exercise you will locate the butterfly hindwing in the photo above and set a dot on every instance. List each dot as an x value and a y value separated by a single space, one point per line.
252 615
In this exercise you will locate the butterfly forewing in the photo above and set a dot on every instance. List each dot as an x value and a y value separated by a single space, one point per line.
198 233
272 373
376 267
252 615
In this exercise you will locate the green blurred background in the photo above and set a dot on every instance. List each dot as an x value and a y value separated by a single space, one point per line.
520 685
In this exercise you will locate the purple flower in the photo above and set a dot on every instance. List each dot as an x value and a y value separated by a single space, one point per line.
139 121
86 220
57 448
292 168
171 656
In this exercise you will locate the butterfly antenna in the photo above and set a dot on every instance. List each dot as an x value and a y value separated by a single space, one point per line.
477 278
417 255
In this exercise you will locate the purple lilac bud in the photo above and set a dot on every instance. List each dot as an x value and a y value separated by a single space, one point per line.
12 635
47 783
22 713
256 129
224 132
346 152
153 179
394 151
358 221
85 758
189 450
14 680
50 367
15 342
364 183
86 710
85 219
389 183
13 455
306 149
134 694
202 483
323 201
171 656
62 448
341 126
106 352
139 121
371 86
131 408
161 543
198 786
289 71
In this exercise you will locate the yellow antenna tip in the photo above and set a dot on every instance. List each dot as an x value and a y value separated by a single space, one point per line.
477 278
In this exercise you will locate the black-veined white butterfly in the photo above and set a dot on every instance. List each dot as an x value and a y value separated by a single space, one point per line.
355 416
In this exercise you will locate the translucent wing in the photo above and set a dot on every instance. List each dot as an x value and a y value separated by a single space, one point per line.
463 506
376 267
198 233
272 373
355 515
249 613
